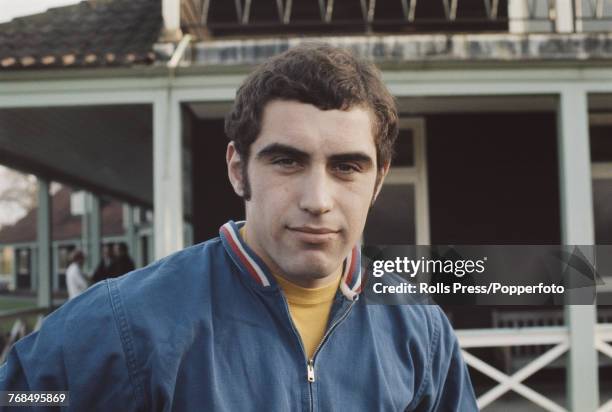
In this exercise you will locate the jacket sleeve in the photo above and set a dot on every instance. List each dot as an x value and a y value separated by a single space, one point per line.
448 386
78 349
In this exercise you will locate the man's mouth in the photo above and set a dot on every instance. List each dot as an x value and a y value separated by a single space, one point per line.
314 234
314 230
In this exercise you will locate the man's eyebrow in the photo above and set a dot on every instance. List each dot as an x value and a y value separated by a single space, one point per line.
276 149
279 149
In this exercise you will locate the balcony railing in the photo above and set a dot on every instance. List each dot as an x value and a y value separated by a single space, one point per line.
557 336
218 18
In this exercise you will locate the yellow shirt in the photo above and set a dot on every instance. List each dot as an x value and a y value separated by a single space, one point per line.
309 308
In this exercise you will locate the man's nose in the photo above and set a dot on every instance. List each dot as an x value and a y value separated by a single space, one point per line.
316 197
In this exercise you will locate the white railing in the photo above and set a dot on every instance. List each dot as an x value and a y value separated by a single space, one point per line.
555 335
20 326
522 15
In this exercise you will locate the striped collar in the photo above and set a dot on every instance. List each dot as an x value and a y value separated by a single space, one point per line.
251 265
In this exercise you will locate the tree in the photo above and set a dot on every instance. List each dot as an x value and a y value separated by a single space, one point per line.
18 193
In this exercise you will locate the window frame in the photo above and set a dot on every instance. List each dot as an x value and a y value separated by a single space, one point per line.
601 171
415 175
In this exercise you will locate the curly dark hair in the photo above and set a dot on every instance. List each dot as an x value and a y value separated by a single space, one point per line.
318 74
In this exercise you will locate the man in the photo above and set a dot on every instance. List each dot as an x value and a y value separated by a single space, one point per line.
104 269
267 316
76 281
122 263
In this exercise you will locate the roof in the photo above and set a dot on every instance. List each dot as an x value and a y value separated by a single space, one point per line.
64 225
92 33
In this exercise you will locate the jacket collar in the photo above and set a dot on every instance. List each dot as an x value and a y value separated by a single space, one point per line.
255 269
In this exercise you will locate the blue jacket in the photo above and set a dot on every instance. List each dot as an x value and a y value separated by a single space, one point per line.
208 329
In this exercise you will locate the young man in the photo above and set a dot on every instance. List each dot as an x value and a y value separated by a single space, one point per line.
267 316
104 270
76 280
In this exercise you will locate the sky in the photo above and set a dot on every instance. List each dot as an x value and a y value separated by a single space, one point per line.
16 8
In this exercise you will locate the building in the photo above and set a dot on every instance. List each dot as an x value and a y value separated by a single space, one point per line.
506 125
18 242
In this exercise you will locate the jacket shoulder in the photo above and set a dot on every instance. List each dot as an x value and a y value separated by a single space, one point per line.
79 348
177 279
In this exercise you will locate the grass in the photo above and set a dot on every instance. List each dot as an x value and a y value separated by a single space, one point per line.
11 303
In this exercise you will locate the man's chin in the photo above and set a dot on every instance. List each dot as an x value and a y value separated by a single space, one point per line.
310 267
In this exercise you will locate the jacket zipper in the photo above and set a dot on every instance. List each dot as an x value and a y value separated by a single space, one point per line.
310 362
299 338
310 370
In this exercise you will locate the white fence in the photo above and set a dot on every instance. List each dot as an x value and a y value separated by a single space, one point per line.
558 336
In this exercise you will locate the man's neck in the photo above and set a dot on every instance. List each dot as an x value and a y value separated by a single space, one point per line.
310 283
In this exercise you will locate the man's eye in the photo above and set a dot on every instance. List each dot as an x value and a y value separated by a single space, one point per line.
346 168
285 162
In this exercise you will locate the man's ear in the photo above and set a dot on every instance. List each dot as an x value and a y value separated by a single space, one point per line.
380 179
234 169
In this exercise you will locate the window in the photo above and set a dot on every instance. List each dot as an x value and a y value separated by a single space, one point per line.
400 214
23 262
600 135
6 260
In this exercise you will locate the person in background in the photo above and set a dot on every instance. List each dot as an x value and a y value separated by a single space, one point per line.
76 280
123 263
104 270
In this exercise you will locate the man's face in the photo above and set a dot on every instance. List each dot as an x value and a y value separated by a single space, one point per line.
312 175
